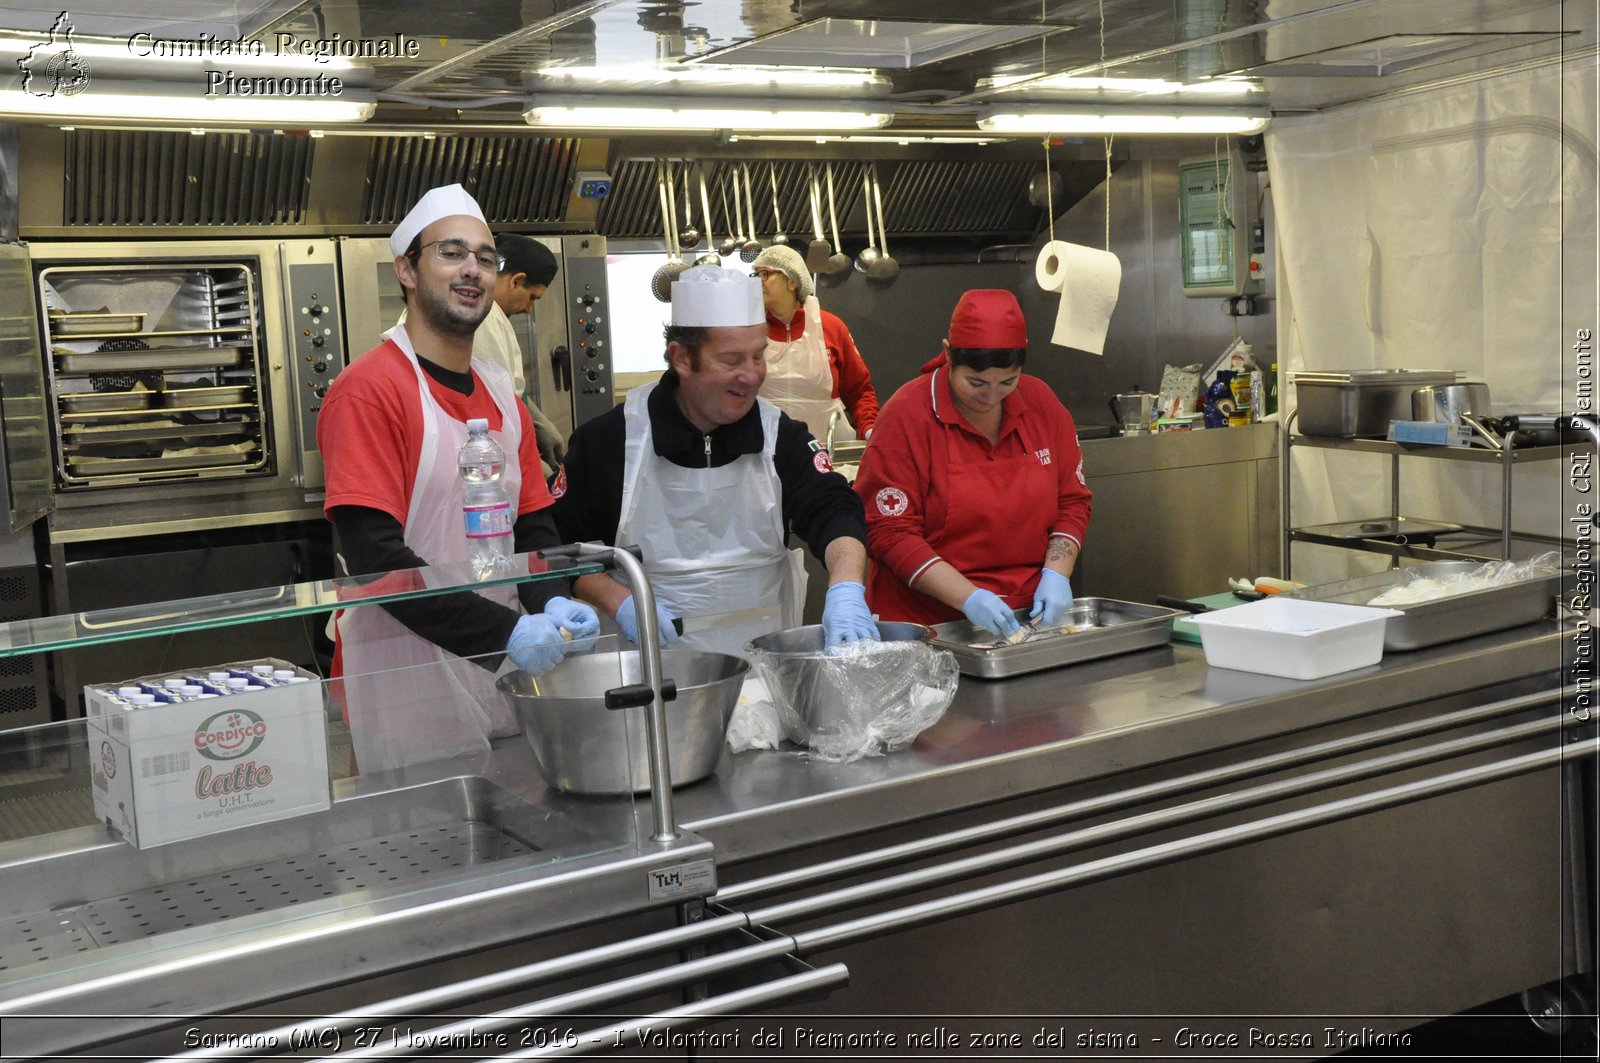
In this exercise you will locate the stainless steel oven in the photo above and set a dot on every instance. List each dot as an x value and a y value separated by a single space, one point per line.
566 341
182 381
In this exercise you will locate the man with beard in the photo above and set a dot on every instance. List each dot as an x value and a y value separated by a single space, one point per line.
389 432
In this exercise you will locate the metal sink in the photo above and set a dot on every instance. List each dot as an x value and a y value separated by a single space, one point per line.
92 892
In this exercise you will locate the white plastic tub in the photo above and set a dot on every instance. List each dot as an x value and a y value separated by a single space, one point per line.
1292 638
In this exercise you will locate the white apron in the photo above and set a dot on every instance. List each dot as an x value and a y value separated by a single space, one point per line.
712 539
449 706
800 383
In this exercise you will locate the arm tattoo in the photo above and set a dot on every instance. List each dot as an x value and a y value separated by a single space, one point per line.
1061 549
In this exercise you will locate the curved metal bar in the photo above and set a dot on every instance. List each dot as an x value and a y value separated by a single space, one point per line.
579 1001
434 1001
608 1038
644 601
989 897
744 892
1133 826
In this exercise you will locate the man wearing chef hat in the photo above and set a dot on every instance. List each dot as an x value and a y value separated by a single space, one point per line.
389 431
708 479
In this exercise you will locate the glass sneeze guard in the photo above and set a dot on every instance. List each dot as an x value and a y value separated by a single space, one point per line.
69 630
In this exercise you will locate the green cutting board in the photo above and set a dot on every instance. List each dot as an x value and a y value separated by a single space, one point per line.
1183 629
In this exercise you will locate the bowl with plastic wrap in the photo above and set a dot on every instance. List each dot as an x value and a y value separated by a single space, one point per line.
859 699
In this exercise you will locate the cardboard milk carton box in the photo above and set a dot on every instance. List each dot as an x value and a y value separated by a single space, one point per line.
186 754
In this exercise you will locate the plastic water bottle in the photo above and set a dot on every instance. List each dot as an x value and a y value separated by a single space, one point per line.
484 503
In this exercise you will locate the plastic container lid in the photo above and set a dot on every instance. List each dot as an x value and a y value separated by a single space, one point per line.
194 690
129 692
218 677
297 679
142 700
283 673
174 684
261 669
238 683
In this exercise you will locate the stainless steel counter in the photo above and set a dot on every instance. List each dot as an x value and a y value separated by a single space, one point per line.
1105 725
1034 732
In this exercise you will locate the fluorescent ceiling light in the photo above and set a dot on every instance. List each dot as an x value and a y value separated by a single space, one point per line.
862 138
1067 121
784 79
186 104
658 113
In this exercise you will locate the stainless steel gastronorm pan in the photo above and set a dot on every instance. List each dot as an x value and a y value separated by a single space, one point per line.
1093 628
1459 616
1351 403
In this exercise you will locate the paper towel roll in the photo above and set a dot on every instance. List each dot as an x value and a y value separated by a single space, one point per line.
1088 281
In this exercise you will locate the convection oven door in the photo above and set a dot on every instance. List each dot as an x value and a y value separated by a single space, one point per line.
25 469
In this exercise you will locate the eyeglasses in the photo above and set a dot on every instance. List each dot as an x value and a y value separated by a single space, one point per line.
454 252
763 274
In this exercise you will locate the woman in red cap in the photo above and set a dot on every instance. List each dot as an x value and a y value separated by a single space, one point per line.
973 485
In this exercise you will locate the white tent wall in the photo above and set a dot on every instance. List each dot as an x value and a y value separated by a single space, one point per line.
1448 229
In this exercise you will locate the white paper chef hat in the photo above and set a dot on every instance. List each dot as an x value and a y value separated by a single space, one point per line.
716 296
436 203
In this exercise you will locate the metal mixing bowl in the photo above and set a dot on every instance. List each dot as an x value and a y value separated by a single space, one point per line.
798 677
585 748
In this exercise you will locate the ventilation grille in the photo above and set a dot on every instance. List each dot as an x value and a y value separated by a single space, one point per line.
176 179
514 179
920 198
947 197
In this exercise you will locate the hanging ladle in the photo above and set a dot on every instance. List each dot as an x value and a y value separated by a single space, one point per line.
710 258
752 246
688 236
730 244
664 277
818 250
885 269
778 235
838 270
869 254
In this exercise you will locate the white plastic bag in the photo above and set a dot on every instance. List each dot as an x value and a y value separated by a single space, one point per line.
755 723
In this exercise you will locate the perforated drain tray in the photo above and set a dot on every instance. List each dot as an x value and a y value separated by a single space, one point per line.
489 825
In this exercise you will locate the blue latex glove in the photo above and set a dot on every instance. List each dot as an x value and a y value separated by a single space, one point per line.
578 619
990 612
845 616
628 621
536 644
1052 598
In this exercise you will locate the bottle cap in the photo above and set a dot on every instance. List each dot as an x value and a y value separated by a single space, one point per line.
193 690
283 673
173 684
129 692
217 677
238 683
261 669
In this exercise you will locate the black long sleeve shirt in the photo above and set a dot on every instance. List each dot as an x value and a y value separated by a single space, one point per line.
818 505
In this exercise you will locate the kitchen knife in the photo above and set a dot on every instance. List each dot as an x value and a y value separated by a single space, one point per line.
690 625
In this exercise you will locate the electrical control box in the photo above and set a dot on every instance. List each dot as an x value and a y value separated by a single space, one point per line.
1219 226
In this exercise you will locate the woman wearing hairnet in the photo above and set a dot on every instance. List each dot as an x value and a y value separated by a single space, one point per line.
974 490
814 371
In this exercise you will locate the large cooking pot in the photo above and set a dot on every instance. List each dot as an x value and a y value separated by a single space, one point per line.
585 748
1445 403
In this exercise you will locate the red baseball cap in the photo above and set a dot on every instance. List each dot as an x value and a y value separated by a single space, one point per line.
988 317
